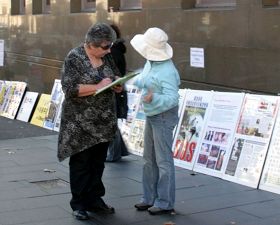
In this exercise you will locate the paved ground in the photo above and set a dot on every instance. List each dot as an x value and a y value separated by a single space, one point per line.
34 189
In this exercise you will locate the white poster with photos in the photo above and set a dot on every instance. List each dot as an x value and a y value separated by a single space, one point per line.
136 136
251 140
133 99
190 127
270 179
214 148
57 96
58 116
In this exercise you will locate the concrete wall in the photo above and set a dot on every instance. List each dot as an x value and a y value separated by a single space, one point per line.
242 44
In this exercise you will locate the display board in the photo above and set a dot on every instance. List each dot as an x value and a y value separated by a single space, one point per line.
27 106
133 100
251 140
57 96
41 110
270 179
16 92
191 124
136 136
5 95
58 116
217 136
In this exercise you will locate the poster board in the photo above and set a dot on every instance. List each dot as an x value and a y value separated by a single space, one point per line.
41 110
3 87
251 140
6 92
58 116
27 106
57 96
133 100
214 148
270 179
16 94
136 136
190 127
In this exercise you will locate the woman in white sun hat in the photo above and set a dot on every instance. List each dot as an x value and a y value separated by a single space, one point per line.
160 83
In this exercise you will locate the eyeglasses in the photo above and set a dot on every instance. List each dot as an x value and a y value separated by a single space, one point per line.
106 47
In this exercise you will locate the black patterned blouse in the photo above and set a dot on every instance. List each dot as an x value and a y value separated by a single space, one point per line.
85 121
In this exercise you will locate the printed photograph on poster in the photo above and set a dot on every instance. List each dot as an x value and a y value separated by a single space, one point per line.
211 156
190 128
234 156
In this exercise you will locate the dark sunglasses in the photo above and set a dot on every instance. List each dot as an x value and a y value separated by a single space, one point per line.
106 47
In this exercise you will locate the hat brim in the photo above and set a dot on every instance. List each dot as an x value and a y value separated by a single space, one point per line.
148 51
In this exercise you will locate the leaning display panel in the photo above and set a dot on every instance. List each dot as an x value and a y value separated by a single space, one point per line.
270 179
251 139
41 110
214 148
195 110
27 106
57 97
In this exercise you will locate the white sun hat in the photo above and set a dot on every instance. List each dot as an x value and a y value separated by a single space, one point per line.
152 45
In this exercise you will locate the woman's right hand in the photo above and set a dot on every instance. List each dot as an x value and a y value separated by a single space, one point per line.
103 83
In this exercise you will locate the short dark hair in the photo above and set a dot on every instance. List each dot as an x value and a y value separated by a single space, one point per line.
99 33
117 30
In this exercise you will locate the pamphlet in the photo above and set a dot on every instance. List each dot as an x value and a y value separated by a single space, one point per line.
118 81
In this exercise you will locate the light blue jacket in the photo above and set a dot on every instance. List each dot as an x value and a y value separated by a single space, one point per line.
163 79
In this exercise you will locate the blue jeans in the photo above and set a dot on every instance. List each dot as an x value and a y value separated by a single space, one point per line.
158 171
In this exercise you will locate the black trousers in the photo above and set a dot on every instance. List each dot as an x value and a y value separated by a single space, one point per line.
86 170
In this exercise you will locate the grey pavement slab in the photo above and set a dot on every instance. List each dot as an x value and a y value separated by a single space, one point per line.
12 129
34 190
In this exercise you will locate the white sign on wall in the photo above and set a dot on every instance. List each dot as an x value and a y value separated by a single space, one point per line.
1 52
197 57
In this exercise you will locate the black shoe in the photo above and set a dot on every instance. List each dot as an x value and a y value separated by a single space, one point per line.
80 215
158 211
142 206
105 209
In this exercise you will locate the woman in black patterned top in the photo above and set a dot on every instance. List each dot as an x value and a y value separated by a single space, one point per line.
88 122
